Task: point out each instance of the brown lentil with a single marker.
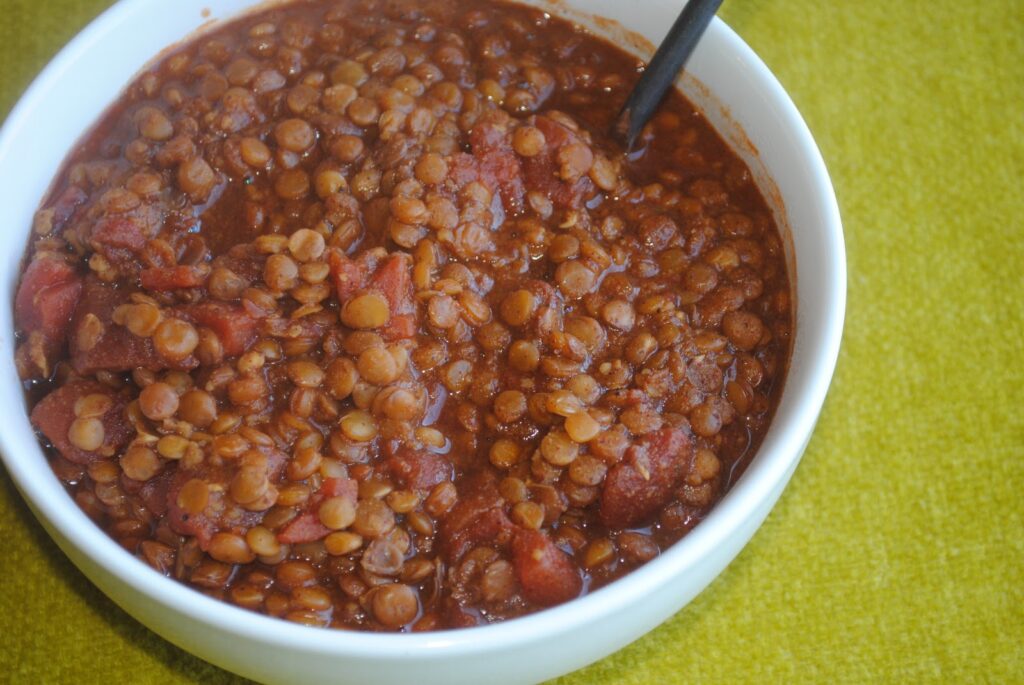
(395, 605)
(158, 401)
(86, 434)
(528, 141)
(140, 463)
(175, 339)
(582, 427)
(368, 317)
(366, 312)
(337, 512)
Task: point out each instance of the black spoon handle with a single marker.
(664, 67)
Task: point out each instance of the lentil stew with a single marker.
(351, 313)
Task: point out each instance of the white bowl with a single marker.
(747, 105)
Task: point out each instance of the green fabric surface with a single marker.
(897, 551)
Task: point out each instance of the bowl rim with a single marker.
(723, 521)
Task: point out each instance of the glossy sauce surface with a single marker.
(351, 313)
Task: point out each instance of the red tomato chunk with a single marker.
(352, 314)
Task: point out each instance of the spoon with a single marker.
(661, 73)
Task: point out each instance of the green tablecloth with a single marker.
(897, 553)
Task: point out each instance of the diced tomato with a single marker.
(419, 469)
(116, 349)
(303, 528)
(400, 327)
(47, 297)
(339, 487)
(54, 414)
(489, 136)
(67, 202)
(498, 164)
(306, 527)
(349, 275)
(643, 481)
(392, 278)
(476, 519)
(547, 574)
(200, 526)
(236, 327)
(221, 514)
(56, 305)
(118, 232)
(172, 277)
(541, 170)
(555, 134)
(463, 169)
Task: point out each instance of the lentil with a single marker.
(384, 321)
(86, 434)
(581, 427)
(140, 463)
(175, 339)
(395, 605)
(158, 401)
(366, 311)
